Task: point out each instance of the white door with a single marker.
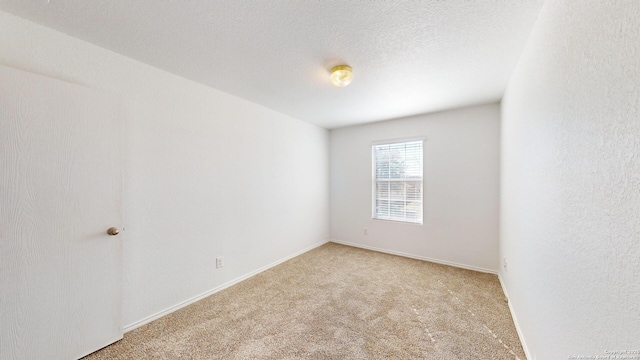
(60, 191)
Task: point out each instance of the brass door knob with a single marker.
(113, 231)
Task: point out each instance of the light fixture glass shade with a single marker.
(341, 75)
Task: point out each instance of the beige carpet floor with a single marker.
(337, 302)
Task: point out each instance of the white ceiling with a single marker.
(408, 57)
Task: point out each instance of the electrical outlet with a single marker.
(504, 263)
(366, 232)
(219, 262)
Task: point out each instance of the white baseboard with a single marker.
(515, 321)
(178, 306)
(417, 257)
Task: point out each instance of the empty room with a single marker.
(357, 179)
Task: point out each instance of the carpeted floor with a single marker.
(337, 302)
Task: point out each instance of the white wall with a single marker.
(206, 174)
(461, 187)
(570, 210)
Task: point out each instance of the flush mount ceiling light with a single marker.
(341, 75)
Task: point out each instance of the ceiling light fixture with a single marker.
(341, 75)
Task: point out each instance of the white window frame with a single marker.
(375, 181)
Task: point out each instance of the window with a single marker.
(397, 181)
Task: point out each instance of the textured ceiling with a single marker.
(408, 57)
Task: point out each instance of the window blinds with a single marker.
(397, 181)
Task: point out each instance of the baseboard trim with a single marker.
(190, 301)
(515, 321)
(417, 257)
